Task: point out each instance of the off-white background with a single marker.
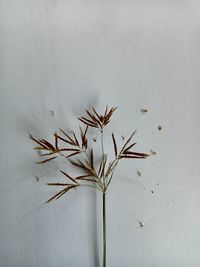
(63, 56)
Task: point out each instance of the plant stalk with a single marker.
(102, 144)
(104, 229)
(104, 205)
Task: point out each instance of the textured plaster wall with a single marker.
(63, 56)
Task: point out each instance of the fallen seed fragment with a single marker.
(37, 178)
(52, 112)
(144, 110)
(153, 152)
(141, 224)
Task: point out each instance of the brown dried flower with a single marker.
(97, 120)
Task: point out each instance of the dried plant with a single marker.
(81, 156)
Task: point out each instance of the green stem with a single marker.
(104, 204)
(102, 144)
(104, 229)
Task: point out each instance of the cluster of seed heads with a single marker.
(80, 155)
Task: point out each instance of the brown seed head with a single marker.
(97, 120)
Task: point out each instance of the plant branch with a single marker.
(102, 155)
(98, 183)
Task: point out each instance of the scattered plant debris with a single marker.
(153, 152)
(37, 178)
(141, 224)
(144, 110)
(52, 113)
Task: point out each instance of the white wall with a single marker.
(67, 55)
